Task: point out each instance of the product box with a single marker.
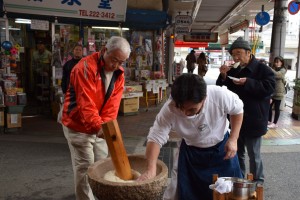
(129, 105)
(10, 100)
(13, 120)
(21, 98)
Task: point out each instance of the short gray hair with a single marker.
(116, 42)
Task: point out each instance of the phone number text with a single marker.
(96, 14)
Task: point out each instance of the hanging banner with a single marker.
(90, 9)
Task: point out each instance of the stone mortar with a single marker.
(152, 189)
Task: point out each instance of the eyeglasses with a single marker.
(115, 60)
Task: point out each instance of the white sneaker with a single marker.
(273, 125)
(269, 123)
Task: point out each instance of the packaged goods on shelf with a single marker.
(10, 100)
(21, 98)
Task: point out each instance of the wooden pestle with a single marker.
(117, 150)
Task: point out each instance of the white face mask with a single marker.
(191, 117)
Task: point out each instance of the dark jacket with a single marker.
(67, 68)
(255, 94)
(190, 61)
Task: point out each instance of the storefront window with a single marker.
(96, 37)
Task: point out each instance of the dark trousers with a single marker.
(276, 104)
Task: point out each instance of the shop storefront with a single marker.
(144, 70)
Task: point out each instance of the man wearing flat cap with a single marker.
(254, 85)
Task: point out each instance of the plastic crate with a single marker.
(14, 109)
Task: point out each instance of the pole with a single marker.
(298, 57)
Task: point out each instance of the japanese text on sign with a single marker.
(182, 30)
(183, 20)
(110, 10)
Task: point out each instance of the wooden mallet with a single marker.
(117, 150)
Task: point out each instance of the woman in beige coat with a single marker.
(279, 70)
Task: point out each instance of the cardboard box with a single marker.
(129, 105)
(1, 118)
(13, 120)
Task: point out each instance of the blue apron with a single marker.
(196, 167)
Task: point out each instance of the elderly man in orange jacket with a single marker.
(93, 97)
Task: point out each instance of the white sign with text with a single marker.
(90, 9)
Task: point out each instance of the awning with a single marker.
(179, 43)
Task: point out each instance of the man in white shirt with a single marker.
(198, 113)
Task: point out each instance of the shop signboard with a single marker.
(183, 20)
(201, 37)
(90, 9)
(39, 25)
(183, 30)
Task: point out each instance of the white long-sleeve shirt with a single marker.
(203, 130)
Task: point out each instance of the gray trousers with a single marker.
(253, 146)
(85, 150)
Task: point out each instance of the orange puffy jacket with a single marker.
(85, 108)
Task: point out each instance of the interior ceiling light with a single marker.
(22, 21)
(12, 28)
(111, 28)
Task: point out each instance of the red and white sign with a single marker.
(201, 37)
(107, 10)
